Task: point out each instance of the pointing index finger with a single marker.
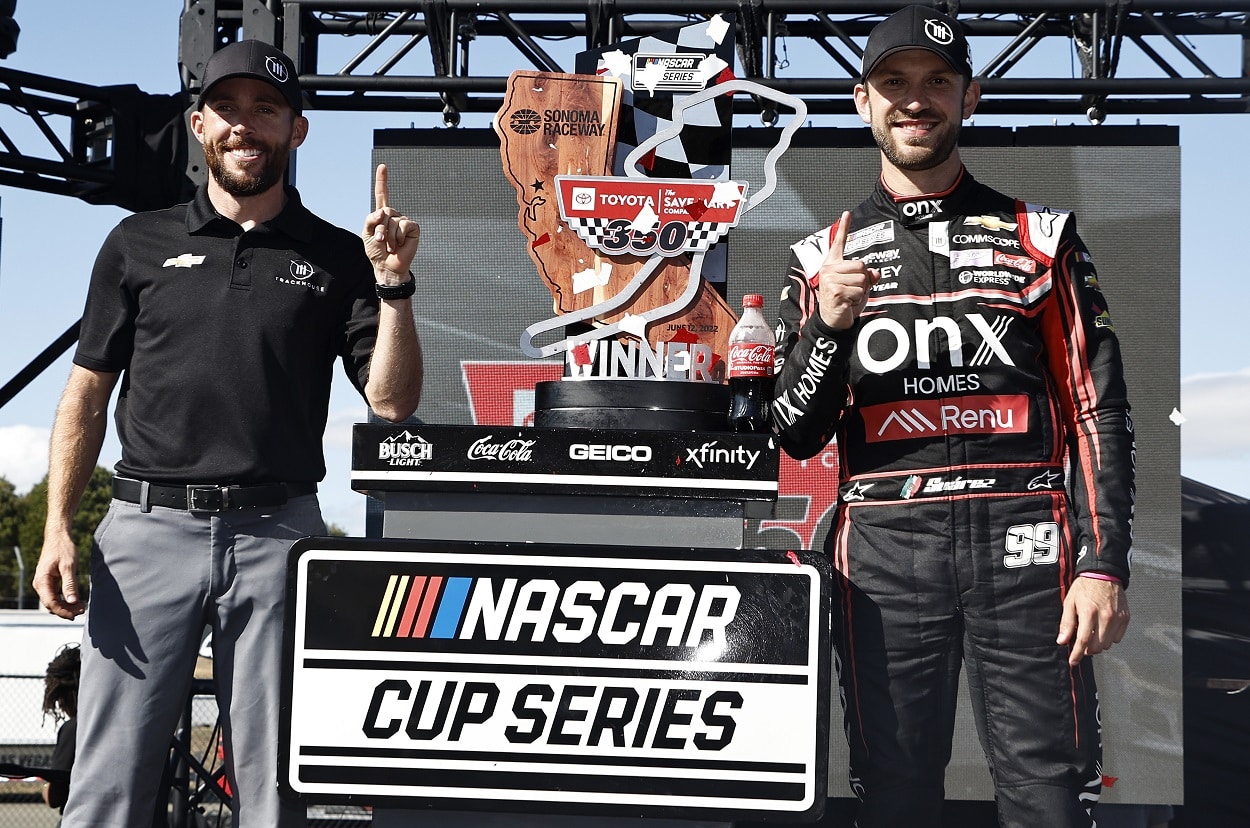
(381, 199)
(838, 245)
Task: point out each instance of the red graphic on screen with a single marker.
(502, 393)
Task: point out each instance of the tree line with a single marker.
(21, 527)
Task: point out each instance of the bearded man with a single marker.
(985, 448)
(223, 319)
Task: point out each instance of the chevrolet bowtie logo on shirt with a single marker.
(185, 260)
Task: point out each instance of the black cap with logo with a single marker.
(918, 27)
(253, 59)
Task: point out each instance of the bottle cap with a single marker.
(753, 300)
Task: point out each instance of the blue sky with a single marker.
(49, 242)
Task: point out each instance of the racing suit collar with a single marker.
(912, 210)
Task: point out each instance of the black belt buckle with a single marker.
(204, 497)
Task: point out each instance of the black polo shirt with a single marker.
(227, 339)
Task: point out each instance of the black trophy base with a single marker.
(644, 405)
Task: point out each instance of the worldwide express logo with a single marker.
(537, 611)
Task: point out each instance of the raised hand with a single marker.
(844, 283)
(390, 238)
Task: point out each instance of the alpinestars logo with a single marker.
(1045, 480)
(856, 491)
(405, 449)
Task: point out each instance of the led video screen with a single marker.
(481, 291)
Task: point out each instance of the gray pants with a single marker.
(157, 579)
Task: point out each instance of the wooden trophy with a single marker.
(559, 125)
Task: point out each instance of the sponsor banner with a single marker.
(740, 467)
(687, 683)
(649, 216)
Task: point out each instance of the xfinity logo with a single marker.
(709, 453)
(603, 451)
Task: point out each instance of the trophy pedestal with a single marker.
(572, 486)
(647, 405)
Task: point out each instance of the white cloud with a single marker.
(338, 433)
(1215, 439)
(23, 455)
(1217, 415)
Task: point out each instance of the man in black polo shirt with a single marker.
(223, 318)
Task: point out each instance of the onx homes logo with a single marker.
(585, 678)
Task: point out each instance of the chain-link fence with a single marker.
(193, 803)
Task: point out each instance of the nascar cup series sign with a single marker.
(562, 679)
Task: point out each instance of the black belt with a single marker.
(208, 497)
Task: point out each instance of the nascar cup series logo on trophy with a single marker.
(622, 180)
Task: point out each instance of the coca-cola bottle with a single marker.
(751, 346)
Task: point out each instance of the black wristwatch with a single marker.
(400, 291)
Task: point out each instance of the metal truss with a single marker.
(1092, 58)
(1123, 57)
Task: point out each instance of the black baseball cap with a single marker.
(918, 27)
(253, 59)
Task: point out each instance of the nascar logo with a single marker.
(511, 609)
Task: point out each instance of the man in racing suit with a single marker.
(956, 343)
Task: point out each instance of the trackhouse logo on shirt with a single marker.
(303, 274)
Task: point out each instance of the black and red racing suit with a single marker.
(986, 459)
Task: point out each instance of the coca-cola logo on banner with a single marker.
(515, 450)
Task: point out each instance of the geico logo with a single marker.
(675, 615)
(602, 451)
(673, 718)
(885, 344)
